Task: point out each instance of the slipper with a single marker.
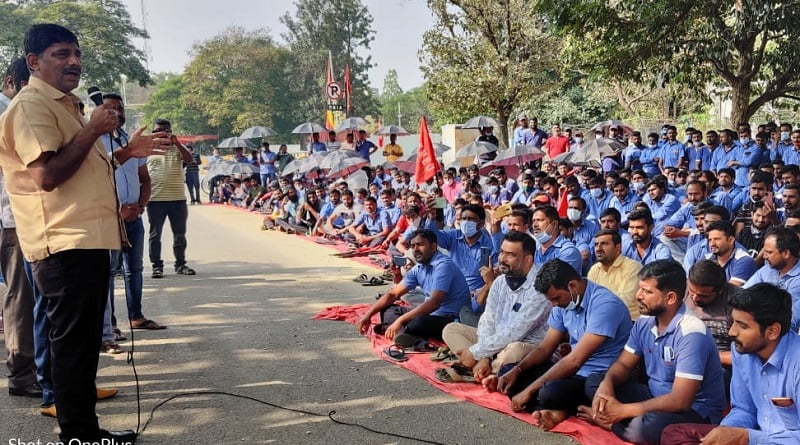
(395, 353)
(449, 375)
(149, 325)
(444, 355)
(387, 276)
(375, 281)
(414, 343)
(363, 278)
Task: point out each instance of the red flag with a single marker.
(348, 88)
(427, 165)
(380, 136)
(563, 204)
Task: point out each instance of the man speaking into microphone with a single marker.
(61, 185)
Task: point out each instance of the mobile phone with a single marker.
(502, 211)
(782, 402)
(440, 203)
(769, 199)
(485, 255)
(399, 261)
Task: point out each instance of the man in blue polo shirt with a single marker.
(662, 205)
(643, 246)
(371, 226)
(673, 153)
(364, 146)
(681, 360)
(766, 385)
(781, 251)
(597, 323)
(550, 244)
(442, 283)
(738, 264)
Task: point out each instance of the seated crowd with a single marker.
(649, 296)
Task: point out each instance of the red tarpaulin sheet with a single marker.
(421, 365)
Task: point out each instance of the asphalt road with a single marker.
(242, 325)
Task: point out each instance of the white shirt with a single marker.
(511, 316)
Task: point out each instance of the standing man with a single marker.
(557, 143)
(392, 152)
(18, 303)
(315, 146)
(365, 147)
(168, 201)
(284, 158)
(133, 194)
(192, 174)
(266, 164)
(61, 185)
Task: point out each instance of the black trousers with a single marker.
(75, 286)
(426, 326)
(560, 394)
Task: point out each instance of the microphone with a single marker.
(96, 96)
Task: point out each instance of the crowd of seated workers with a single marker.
(649, 296)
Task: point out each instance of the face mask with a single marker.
(672, 183)
(574, 214)
(663, 132)
(652, 146)
(697, 144)
(744, 141)
(515, 282)
(638, 186)
(529, 189)
(688, 138)
(469, 228)
(579, 139)
(785, 135)
(448, 181)
(596, 193)
(574, 302)
(542, 237)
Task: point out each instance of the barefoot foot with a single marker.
(546, 419)
(490, 383)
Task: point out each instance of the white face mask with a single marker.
(579, 139)
(574, 302)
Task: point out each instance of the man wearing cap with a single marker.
(521, 131)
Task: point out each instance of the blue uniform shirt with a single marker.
(672, 153)
(686, 350)
(755, 384)
(722, 155)
(467, 258)
(740, 266)
(661, 210)
(790, 282)
(562, 249)
(440, 274)
(702, 154)
(127, 174)
(656, 251)
(374, 224)
(647, 158)
(600, 313)
(595, 206)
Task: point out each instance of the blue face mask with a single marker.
(785, 135)
(574, 302)
(744, 141)
(596, 193)
(542, 237)
(469, 228)
(638, 186)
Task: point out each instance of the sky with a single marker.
(175, 25)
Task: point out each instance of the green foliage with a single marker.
(343, 27)
(411, 105)
(486, 58)
(579, 100)
(239, 79)
(746, 49)
(168, 102)
(104, 30)
(391, 86)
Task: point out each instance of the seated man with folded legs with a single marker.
(594, 321)
(443, 284)
(515, 318)
(681, 360)
(766, 381)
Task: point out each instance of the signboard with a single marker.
(334, 90)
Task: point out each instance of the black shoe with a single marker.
(121, 437)
(33, 390)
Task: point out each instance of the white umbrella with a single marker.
(236, 143)
(257, 132)
(480, 122)
(308, 128)
(393, 129)
(351, 123)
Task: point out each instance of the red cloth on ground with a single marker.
(421, 365)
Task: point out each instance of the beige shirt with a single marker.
(622, 278)
(82, 212)
(166, 176)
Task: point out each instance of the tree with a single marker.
(104, 30)
(745, 50)
(406, 109)
(391, 86)
(168, 102)
(239, 79)
(487, 58)
(343, 27)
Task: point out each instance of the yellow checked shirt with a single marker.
(622, 278)
(82, 212)
(392, 152)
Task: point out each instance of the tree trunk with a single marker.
(502, 132)
(740, 103)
